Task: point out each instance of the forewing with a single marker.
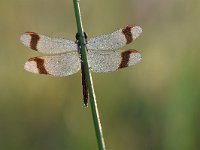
(45, 44)
(116, 39)
(56, 65)
(105, 61)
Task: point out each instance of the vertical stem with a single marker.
(94, 109)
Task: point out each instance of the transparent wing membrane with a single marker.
(116, 39)
(105, 61)
(45, 44)
(56, 65)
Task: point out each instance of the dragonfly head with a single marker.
(78, 37)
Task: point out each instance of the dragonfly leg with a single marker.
(86, 36)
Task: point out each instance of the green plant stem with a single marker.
(93, 103)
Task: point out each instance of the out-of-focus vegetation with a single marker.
(153, 105)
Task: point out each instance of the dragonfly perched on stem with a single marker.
(65, 58)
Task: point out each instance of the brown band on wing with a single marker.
(34, 40)
(40, 65)
(125, 58)
(127, 32)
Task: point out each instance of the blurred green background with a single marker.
(151, 106)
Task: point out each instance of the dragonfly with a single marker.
(64, 56)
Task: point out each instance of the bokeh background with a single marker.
(151, 106)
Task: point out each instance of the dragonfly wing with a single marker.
(45, 44)
(106, 61)
(116, 39)
(56, 65)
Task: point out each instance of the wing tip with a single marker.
(136, 53)
(25, 39)
(136, 57)
(30, 39)
(129, 57)
(31, 66)
(36, 65)
(136, 31)
(131, 32)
